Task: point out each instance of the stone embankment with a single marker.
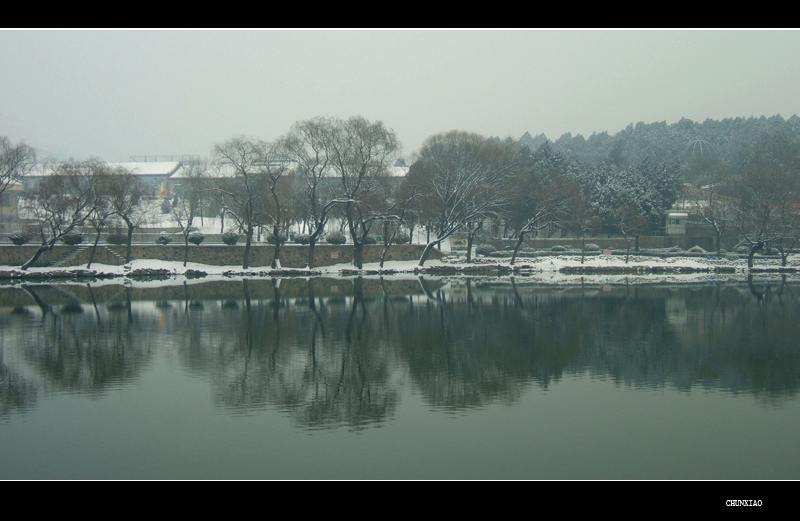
(292, 255)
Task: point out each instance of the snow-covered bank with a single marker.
(556, 269)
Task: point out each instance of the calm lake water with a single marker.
(400, 378)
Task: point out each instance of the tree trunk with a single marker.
(185, 248)
(426, 251)
(517, 247)
(358, 254)
(753, 249)
(583, 248)
(312, 243)
(130, 240)
(43, 248)
(784, 255)
(247, 244)
(94, 249)
(470, 239)
(276, 256)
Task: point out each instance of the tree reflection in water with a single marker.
(337, 352)
(81, 352)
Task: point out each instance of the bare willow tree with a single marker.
(360, 154)
(462, 177)
(16, 161)
(399, 199)
(768, 191)
(306, 146)
(342, 162)
(127, 193)
(240, 165)
(102, 210)
(191, 197)
(276, 166)
(61, 202)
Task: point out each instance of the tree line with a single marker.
(331, 175)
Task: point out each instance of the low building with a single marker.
(9, 203)
(676, 222)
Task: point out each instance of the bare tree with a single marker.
(102, 211)
(60, 203)
(400, 200)
(580, 214)
(240, 185)
(462, 177)
(769, 193)
(306, 145)
(631, 222)
(713, 204)
(127, 194)
(360, 154)
(190, 200)
(541, 193)
(341, 162)
(275, 167)
(16, 161)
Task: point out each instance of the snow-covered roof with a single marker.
(155, 168)
(227, 170)
(144, 169)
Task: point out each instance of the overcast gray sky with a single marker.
(115, 94)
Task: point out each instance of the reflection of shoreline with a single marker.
(214, 288)
(258, 289)
(331, 351)
(545, 265)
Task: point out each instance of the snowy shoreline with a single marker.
(555, 269)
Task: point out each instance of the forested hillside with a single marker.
(657, 142)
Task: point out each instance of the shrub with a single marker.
(196, 238)
(697, 249)
(485, 249)
(592, 247)
(163, 239)
(230, 238)
(558, 248)
(302, 239)
(272, 239)
(370, 240)
(117, 238)
(401, 238)
(19, 239)
(166, 207)
(336, 238)
(72, 239)
(743, 249)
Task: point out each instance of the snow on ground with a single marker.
(545, 269)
